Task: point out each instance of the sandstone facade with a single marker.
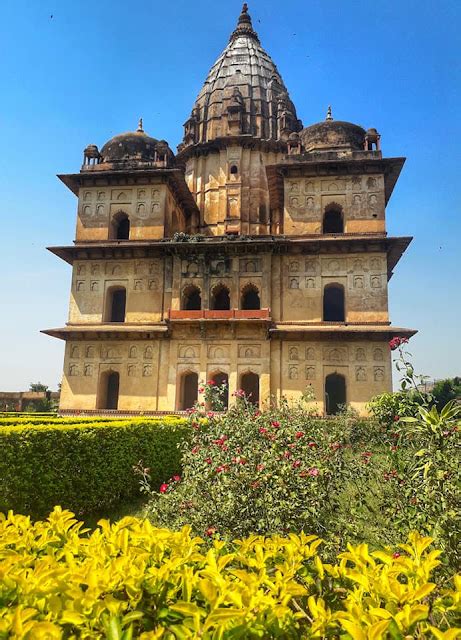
(257, 256)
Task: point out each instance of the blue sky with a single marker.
(93, 68)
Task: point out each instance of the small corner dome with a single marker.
(331, 135)
(134, 146)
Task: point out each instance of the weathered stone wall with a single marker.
(360, 197)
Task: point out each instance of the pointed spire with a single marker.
(140, 129)
(329, 116)
(244, 25)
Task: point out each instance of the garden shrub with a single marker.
(131, 580)
(84, 466)
(283, 470)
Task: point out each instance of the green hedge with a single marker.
(84, 467)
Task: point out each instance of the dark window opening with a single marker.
(335, 393)
(189, 390)
(221, 299)
(249, 383)
(109, 390)
(116, 305)
(333, 221)
(192, 300)
(220, 379)
(333, 303)
(250, 298)
(234, 169)
(123, 229)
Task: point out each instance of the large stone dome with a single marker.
(134, 146)
(333, 135)
(243, 94)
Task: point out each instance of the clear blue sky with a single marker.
(93, 68)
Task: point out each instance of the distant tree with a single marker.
(446, 390)
(38, 386)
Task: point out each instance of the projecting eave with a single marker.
(346, 330)
(307, 244)
(310, 165)
(110, 331)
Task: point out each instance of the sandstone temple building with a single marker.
(257, 255)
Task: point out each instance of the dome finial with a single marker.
(244, 26)
(140, 129)
(329, 116)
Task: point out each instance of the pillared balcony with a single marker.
(215, 314)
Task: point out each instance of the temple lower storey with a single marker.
(257, 256)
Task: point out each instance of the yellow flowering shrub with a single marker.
(129, 579)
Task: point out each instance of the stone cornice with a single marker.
(221, 245)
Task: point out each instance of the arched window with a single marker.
(333, 220)
(220, 299)
(109, 385)
(191, 298)
(250, 297)
(115, 304)
(249, 383)
(234, 169)
(220, 379)
(188, 390)
(335, 393)
(333, 303)
(120, 227)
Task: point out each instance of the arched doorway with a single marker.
(120, 227)
(220, 299)
(191, 299)
(188, 390)
(115, 304)
(335, 393)
(333, 220)
(249, 383)
(109, 386)
(220, 379)
(250, 298)
(333, 303)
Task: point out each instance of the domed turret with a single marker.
(333, 135)
(243, 94)
(136, 147)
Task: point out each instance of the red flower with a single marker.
(211, 382)
(208, 460)
(209, 414)
(257, 413)
(210, 531)
(260, 467)
(275, 424)
(262, 430)
(296, 464)
(299, 434)
(201, 389)
(396, 555)
(314, 472)
(163, 488)
(396, 342)
(396, 418)
(335, 446)
(255, 484)
(287, 454)
(176, 478)
(312, 445)
(195, 449)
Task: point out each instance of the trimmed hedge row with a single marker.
(84, 467)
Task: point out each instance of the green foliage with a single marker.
(283, 471)
(38, 386)
(388, 408)
(446, 390)
(131, 580)
(83, 466)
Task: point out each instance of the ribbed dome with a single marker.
(242, 94)
(331, 135)
(134, 146)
